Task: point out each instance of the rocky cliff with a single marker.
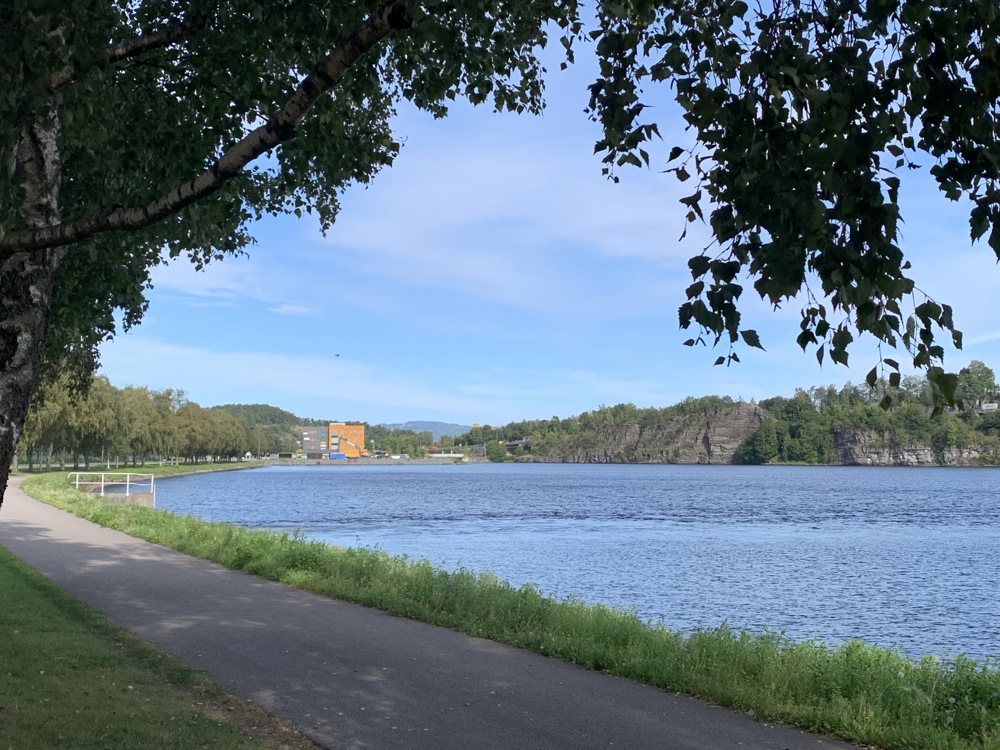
(874, 449)
(708, 436)
(712, 434)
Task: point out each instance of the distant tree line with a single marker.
(541, 437)
(399, 441)
(101, 423)
(133, 424)
(801, 429)
(804, 428)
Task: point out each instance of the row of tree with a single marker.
(801, 429)
(129, 425)
(804, 428)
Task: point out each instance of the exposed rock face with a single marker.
(709, 436)
(713, 434)
(875, 449)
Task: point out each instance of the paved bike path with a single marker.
(356, 678)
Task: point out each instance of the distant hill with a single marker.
(270, 416)
(272, 430)
(437, 429)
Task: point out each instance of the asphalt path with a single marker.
(357, 678)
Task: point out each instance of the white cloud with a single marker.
(227, 279)
(982, 339)
(520, 221)
(310, 385)
(294, 310)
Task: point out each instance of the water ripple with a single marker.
(905, 557)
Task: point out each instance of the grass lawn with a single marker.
(69, 678)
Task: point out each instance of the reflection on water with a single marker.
(909, 557)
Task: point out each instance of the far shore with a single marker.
(425, 461)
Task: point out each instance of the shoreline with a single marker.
(426, 461)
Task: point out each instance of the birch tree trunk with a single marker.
(27, 279)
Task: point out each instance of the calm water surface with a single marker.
(906, 557)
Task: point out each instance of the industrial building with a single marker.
(338, 440)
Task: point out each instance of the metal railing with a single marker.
(92, 481)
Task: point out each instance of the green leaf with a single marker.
(699, 265)
(751, 339)
(979, 221)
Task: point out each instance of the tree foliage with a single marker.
(131, 425)
(398, 441)
(804, 113)
(813, 426)
(159, 110)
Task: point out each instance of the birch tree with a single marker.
(132, 132)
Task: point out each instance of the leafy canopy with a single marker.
(803, 113)
(145, 96)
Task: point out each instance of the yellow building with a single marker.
(348, 439)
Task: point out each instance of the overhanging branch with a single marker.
(178, 32)
(389, 18)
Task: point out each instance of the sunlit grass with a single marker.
(69, 678)
(859, 692)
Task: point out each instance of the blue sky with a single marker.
(493, 275)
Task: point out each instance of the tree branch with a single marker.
(157, 40)
(139, 46)
(387, 19)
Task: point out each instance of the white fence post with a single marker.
(107, 481)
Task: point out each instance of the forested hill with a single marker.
(266, 415)
(815, 426)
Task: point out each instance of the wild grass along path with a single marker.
(352, 677)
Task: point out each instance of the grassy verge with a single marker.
(861, 693)
(70, 678)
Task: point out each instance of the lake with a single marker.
(895, 556)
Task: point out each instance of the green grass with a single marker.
(856, 691)
(69, 678)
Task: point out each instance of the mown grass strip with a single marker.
(859, 692)
(69, 678)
